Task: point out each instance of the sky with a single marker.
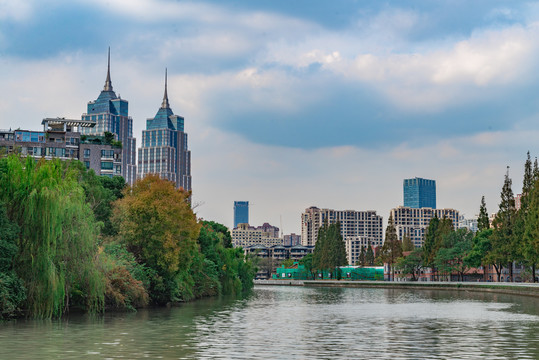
(292, 104)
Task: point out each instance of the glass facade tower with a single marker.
(241, 213)
(419, 193)
(164, 148)
(110, 114)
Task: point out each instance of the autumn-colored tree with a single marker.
(156, 223)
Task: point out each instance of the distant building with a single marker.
(292, 239)
(110, 114)
(353, 247)
(364, 225)
(518, 201)
(164, 149)
(61, 139)
(265, 235)
(241, 213)
(470, 224)
(419, 193)
(415, 222)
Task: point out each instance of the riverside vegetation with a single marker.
(512, 238)
(70, 239)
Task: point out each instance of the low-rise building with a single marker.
(61, 138)
(245, 235)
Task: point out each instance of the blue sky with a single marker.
(293, 104)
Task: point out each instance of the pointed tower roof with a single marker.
(108, 83)
(165, 104)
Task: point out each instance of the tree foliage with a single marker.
(483, 222)
(156, 224)
(392, 248)
(329, 251)
(503, 248)
(57, 239)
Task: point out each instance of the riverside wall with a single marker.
(525, 289)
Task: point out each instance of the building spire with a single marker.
(165, 104)
(108, 83)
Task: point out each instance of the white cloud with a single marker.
(18, 10)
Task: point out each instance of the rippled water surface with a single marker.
(296, 323)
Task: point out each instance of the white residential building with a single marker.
(266, 235)
(354, 224)
(415, 222)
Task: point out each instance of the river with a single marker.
(277, 322)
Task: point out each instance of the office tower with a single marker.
(241, 213)
(164, 148)
(419, 193)
(110, 114)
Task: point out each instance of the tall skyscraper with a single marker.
(164, 147)
(419, 193)
(241, 213)
(110, 114)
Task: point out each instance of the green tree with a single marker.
(429, 244)
(12, 290)
(307, 262)
(530, 246)
(407, 244)
(411, 264)
(369, 255)
(329, 251)
(361, 260)
(456, 247)
(503, 249)
(483, 222)
(392, 248)
(57, 243)
(519, 226)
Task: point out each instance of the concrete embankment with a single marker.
(501, 288)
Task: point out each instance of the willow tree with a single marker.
(57, 243)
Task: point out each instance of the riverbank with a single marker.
(525, 289)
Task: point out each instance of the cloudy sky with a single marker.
(290, 104)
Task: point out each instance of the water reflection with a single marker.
(295, 322)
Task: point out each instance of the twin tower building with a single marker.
(164, 149)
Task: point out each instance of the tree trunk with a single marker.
(533, 272)
(498, 271)
(511, 271)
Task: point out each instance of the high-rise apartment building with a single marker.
(164, 148)
(110, 114)
(241, 213)
(419, 193)
(354, 224)
(414, 222)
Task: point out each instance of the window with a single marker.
(106, 165)
(109, 154)
(87, 164)
(86, 153)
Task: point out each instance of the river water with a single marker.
(277, 322)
